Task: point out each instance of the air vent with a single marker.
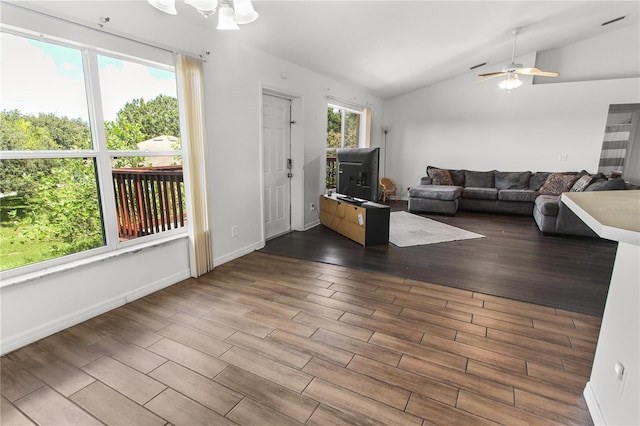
(478, 66)
(612, 21)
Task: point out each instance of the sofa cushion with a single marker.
(581, 184)
(547, 204)
(480, 193)
(537, 180)
(607, 185)
(457, 176)
(436, 192)
(526, 195)
(479, 179)
(557, 183)
(440, 176)
(512, 180)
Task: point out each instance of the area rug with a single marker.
(406, 229)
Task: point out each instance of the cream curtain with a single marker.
(367, 116)
(191, 86)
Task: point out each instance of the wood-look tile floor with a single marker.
(269, 340)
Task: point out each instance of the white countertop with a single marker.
(614, 215)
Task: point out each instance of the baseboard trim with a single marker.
(238, 253)
(311, 225)
(593, 406)
(36, 333)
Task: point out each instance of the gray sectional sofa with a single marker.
(524, 193)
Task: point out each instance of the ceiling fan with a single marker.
(512, 70)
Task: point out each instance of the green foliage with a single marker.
(334, 128)
(138, 121)
(67, 212)
(56, 208)
(156, 117)
(19, 132)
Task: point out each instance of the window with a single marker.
(90, 153)
(343, 131)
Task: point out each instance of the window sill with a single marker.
(32, 276)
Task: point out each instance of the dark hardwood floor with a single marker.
(515, 260)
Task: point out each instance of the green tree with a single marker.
(139, 120)
(156, 117)
(334, 120)
(66, 133)
(20, 132)
(66, 212)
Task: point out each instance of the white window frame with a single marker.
(102, 160)
(362, 124)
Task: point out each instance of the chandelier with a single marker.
(231, 13)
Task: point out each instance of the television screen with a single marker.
(358, 172)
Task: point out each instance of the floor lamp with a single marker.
(385, 130)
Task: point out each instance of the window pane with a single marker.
(53, 211)
(334, 120)
(149, 200)
(140, 106)
(43, 100)
(351, 129)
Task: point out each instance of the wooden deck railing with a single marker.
(149, 200)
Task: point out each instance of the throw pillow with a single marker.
(440, 177)
(581, 184)
(557, 183)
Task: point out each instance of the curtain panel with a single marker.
(191, 84)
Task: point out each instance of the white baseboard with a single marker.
(313, 224)
(593, 406)
(40, 332)
(238, 253)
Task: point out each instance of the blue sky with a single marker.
(41, 77)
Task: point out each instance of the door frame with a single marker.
(297, 157)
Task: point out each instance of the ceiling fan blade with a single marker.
(492, 74)
(537, 71)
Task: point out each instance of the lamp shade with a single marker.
(226, 18)
(205, 7)
(511, 82)
(166, 6)
(244, 12)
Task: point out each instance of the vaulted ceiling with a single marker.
(385, 47)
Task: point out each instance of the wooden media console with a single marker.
(366, 223)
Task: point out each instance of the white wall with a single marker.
(42, 306)
(618, 342)
(235, 76)
(466, 124)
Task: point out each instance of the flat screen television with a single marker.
(358, 172)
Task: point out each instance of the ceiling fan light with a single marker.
(510, 83)
(244, 12)
(166, 6)
(226, 19)
(205, 7)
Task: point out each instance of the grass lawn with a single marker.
(20, 252)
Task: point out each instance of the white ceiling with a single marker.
(385, 47)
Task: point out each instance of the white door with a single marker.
(276, 137)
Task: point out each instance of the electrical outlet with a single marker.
(234, 231)
(621, 375)
(563, 157)
(312, 207)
